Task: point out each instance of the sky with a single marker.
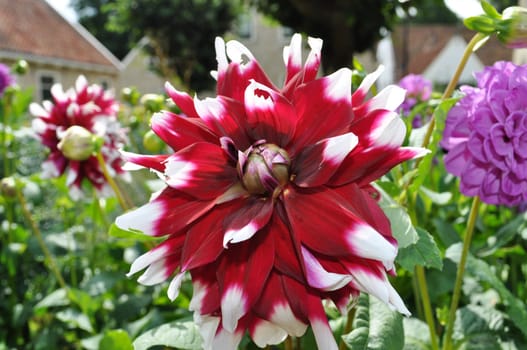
(464, 8)
(62, 6)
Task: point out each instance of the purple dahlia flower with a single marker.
(486, 136)
(418, 89)
(6, 79)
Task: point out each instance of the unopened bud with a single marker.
(152, 142)
(77, 143)
(8, 186)
(513, 27)
(21, 67)
(152, 102)
(266, 169)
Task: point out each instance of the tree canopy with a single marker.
(347, 26)
(181, 34)
(94, 16)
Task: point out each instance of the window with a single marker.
(244, 26)
(46, 82)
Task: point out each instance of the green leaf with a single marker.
(490, 10)
(400, 221)
(58, 297)
(481, 271)
(182, 335)
(424, 252)
(116, 339)
(75, 319)
(134, 235)
(482, 24)
(102, 282)
(436, 197)
(476, 328)
(416, 334)
(505, 234)
(375, 327)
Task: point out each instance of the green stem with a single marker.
(111, 181)
(347, 327)
(50, 261)
(453, 82)
(427, 305)
(469, 49)
(460, 271)
(424, 296)
(288, 343)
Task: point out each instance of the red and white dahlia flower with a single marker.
(65, 126)
(268, 203)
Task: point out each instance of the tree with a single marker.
(94, 16)
(347, 26)
(181, 34)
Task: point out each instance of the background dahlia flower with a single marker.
(486, 136)
(268, 203)
(418, 89)
(64, 123)
(6, 79)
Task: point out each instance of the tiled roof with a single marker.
(426, 41)
(33, 28)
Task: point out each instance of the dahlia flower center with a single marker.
(264, 169)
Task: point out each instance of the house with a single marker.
(434, 50)
(136, 71)
(56, 50)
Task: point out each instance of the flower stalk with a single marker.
(347, 327)
(111, 181)
(460, 272)
(472, 46)
(50, 261)
(427, 305)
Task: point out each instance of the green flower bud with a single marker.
(152, 142)
(153, 102)
(130, 95)
(8, 187)
(78, 143)
(21, 67)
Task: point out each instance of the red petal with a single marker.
(156, 162)
(234, 77)
(287, 259)
(182, 100)
(242, 274)
(269, 115)
(321, 220)
(365, 166)
(265, 333)
(294, 57)
(204, 240)
(202, 170)
(179, 132)
(366, 207)
(315, 164)
(206, 295)
(324, 109)
(274, 306)
(242, 224)
(169, 213)
(226, 117)
(310, 305)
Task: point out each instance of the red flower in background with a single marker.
(268, 202)
(64, 125)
